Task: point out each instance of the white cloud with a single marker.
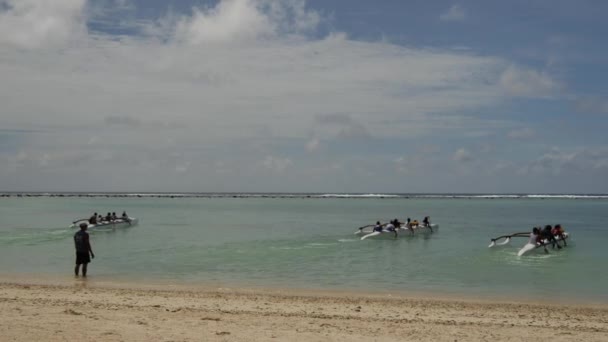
(478, 134)
(462, 156)
(402, 164)
(429, 149)
(521, 133)
(525, 82)
(243, 20)
(313, 145)
(593, 105)
(486, 148)
(122, 121)
(556, 162)
(277, 164)
(341, 126)
(22, 156)
(181, 168)
(40, 23)
(228, 21)
(454, 13)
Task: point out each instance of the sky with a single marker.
(323, 96)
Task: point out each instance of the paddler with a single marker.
(559, 231)
(427, 223)
(391, 228)
(537, 239)
(397, 223)
(408, 224)
(534, 238)
(93, 219)
(547, 234)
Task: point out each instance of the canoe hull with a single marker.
(530, 248)
(110, 225)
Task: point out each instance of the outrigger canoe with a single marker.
(118, 223)
(528, 248)
(368, 232)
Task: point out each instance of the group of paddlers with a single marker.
(547, 235)
(110, 217)
(393, 225)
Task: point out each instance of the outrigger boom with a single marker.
(507, 239)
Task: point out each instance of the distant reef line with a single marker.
(301, 195)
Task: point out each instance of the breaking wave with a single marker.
(307, 195)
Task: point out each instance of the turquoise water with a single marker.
(309, 243)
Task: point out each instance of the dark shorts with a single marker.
(82, 258)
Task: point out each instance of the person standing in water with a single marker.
(83, 248)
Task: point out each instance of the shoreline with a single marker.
(40, 309)
(162, 284)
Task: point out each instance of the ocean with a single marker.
(307, 241)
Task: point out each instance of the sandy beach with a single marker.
(93, 311)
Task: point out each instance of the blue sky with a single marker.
(297, 96)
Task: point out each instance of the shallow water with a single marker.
(309, 243)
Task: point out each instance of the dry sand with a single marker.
(90, 311)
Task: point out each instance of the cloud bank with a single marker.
(243, 95)
(34, 24)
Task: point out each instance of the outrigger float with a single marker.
(528, 248)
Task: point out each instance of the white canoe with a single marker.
(532, 247)
(368, 232)
(118, 223)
